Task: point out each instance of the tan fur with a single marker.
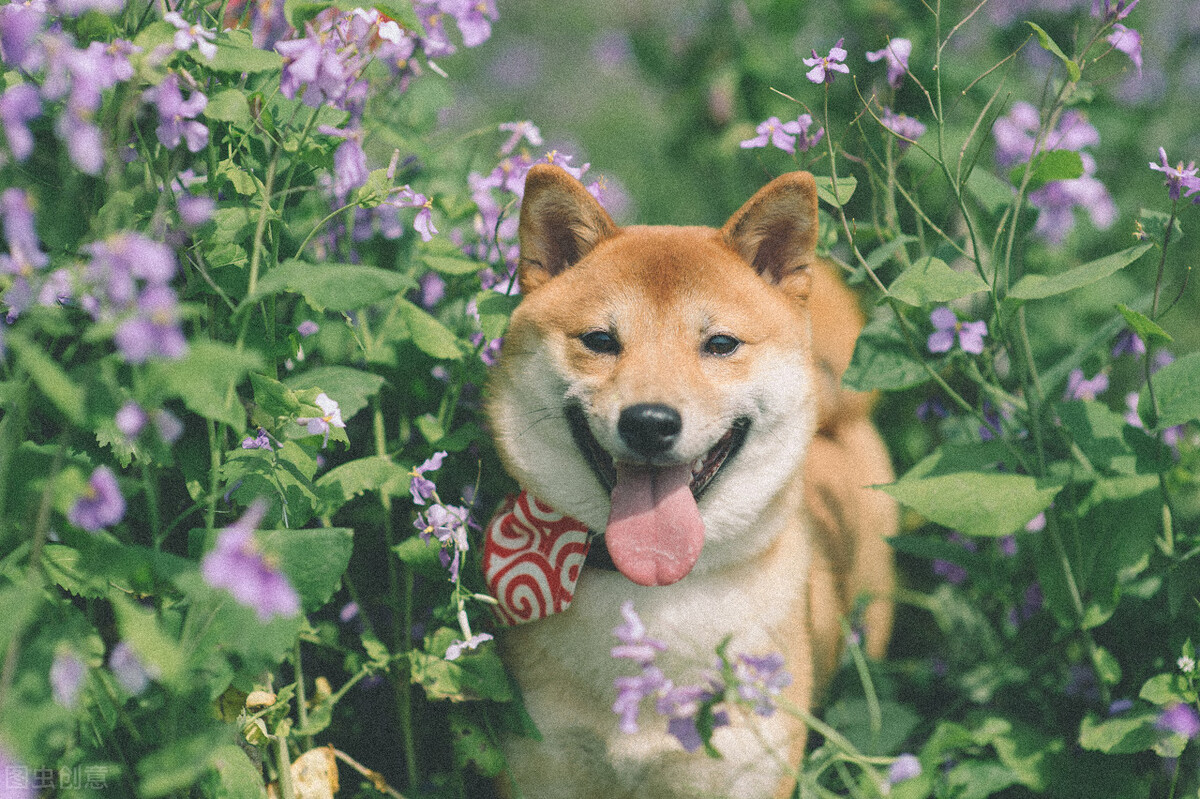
(788, 547)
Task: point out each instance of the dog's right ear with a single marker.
(560, 224)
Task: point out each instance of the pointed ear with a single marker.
(776, 231)
(560, 224)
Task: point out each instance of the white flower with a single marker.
(1186, 664)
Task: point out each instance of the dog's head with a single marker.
(656, 382)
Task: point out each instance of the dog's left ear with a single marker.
(776, 231)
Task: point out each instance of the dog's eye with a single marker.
(602, 342)
(721, 344)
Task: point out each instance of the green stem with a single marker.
(301, 698)
(400, 588)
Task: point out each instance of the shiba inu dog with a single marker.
(677, 391)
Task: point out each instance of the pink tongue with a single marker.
(654, 532)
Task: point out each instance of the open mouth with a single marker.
(704, 469)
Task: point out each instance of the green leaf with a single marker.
(1049, 44)
(50, 378)
(474, 746)
(430, 335)
(930, 280)
(236, 53)
(236, 777)
(1146, 328)
(880, 255)
(232, 106)
(495, 310)
(850, 717)
(983, 503)
(158, 651)
(422, 557)
(1177, 389)
(336, 287)
(845, 189)
(244, 183)
(1166, 689)
(313, 559)
(475, 674)
(883, 360)
(990, 191)
(179, 763)
(1124, 735)
(1154, 224)
(342, 483)
(352, 389)
(206, 379)
(1038, 287)
(441, 255)
(1048, 167)
(283, 475)
(273, 397)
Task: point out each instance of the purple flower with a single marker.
(1057, 200)
(1080, 388)
(784, 134)
(949, 571)
(349, 161)
(932, 408)
(1129, 42)
(131, 419)
(421, 487)
(129, 670)
(907, 129)
(101, 504)
(236, 565)
(635, 644)
(448, 524)
(189, 34)
(772, 132)
(904, 767)
(326, 64)
(20, 31)
(331, 415)
(168, 425)
(24, 257)
(823, 67)
(153, 331)
(261, 441)
(1178, 177)
(18, 105)
(474, 18)
(194, 210)
(1118, 10)
(118, 263)
(1129, 343)
(307, 328)
(630, 693)
(760, 679)
(947, 327)
(681, 705)
(520, 130)
(896, 53)
(456, 648)
(176, 116)
(1180, 719)
(1036, 524)
(67, 675)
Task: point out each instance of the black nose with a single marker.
(650, 428)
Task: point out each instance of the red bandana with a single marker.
(532, 557)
